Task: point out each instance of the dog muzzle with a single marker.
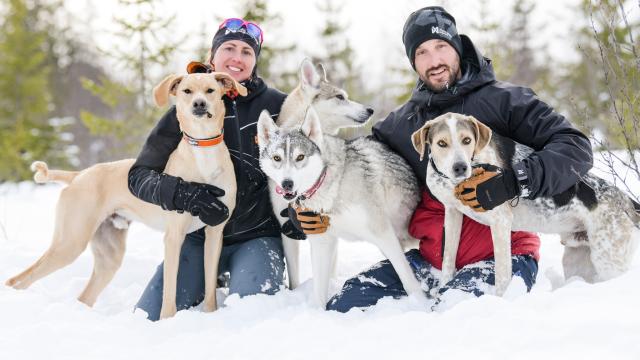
(288, 195)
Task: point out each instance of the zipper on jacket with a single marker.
(241, 159)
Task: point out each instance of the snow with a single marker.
(558, 319)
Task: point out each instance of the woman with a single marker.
(252, 247)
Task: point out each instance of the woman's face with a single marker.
(236, 58)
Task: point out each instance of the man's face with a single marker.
(437, 64)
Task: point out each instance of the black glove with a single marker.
(303, 222)
(292, 229)
(487, 187)
(200, 200)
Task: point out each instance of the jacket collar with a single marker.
(255, 86)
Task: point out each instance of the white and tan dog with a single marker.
(594, 218)
(97, 204)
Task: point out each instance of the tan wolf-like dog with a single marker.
(97, 204)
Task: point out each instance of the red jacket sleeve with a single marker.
(427, 225)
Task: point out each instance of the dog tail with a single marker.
(43, 174)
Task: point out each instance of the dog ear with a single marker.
(308, 74)
(228, 83)
(311, 127)
(167, 87)
(266, 127)
(483, 134)
(197, 67)
(420, 138)
(322, 72)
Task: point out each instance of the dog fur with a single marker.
(97, 205)
(369, 192)
(594, 218)
(336, 111)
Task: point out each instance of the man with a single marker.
(455, 77)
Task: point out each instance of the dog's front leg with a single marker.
(390, 246)
(501, 234)
(323, 257)
(292, 254)
(452, 229)
(212, 250)
(290, 246)
(173, 239)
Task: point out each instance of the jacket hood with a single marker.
(476, 72)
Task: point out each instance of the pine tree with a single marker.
(338, 59)
(152, 45)
(69, 57)
(25, 133)
(338, 53)
(488, 34)
(604, 84)
(514, 57)
(526, 69)
(271, 55)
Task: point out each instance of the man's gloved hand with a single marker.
(487, 187)
(201, 200)
(303, 222)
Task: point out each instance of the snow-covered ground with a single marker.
(557, 320)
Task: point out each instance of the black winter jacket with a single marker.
(561, 153)
(253, 216)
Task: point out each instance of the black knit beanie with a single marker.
(431, 22)
(225, 34)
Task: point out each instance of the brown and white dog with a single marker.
(594, 218)
(97, 205)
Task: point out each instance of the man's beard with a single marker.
(440, 87)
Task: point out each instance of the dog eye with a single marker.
(466, 141)
(209, 91)
(340, 97)
(300, 157)
(277, 158)
(186, 91)
(441, 143)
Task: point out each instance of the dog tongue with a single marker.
(286, 194)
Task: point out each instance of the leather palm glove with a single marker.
(487, 187)
(201, 200)
(303, 222)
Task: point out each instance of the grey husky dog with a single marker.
(336, 111)
(331, 103)
(368, 191)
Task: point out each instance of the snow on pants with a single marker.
(255, 266)
(366, 288)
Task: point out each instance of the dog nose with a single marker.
(199, 104)
(370, 111)
(459, 169)
(287, 184)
